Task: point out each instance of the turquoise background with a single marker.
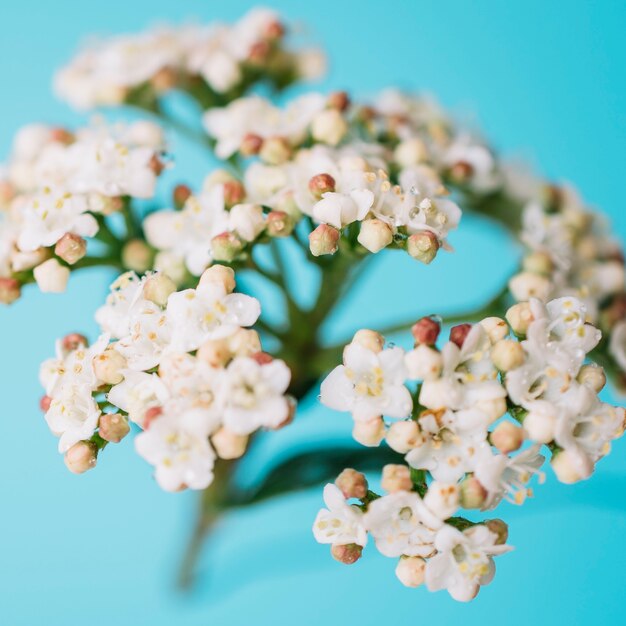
(546, 80)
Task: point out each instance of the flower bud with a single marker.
(507, 437)
(226, 247)
(593, 376)
(275, 151)
(321, 184)
(324, 240)
(234, 192)
(228, 444)
(396, 478)
(410, 152)
(180, 195)
(499, 528)
(346, 554)
(423, 363)
(215, 352)
(262, 358)
(71, 248)
(411, 571)
(73, 341)
(149, 416)
(461, 172)
(51, 276)
(423, 246)
(113, 427)
(217, 177)
(527, 285)
(459, 333)
(507, 355)
(426, 331)
(250, 145)
(472, 493)
(44, 403)
(369, 339)
(571, 467)
(329, 126)
(369, 433)
(519, 317)
(375, 235)
(496, 328)
(156, 165)
(10, 290)
(82, 456)
(353, 484)
(279, 224)
(244, 342)
(137, 256)
(164, 79)
(246, 221)
(158, 288)
(108, 366)
(220, 274)
(493, 408)
(339, 100)
(538, 263)
(540, 427)
(171, 264)
(403, 436)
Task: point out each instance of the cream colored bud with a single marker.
(324, 240)
(217, 177)
(229, 445)
(507, 355)
(540, 427)
(215, 352)
(375, 235)
(172, 265)
(244, 342)
(570, 467)
(51, 276)
(499, 528)
(329, 127)
(411, 571)
(593, 376)
(472, 493)
(346, 554)
(410, 152)
(538, 263)
(493, 409)
(353, 484)
(369, 339)
(137, 256)
(81, 457)
(423, 246)
(403, 436)
(495, 327)
(275, 151)
(396, 478)
(507, 437)
(369, 433)
(71, 248)
(158, 288)
(528, 285)
(519, 317)
(113, 427)
(424, 363)
(108, 366)
(220, 274)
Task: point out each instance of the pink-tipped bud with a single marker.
(251, 144)
(472, 494)
(228, 444)
(221, 275)
(81, 457)
(353, 484)
(262, 358)
(499, 528)
(108, 366)
(396, 478)
(73, 341)
(71, 248)
(275, 151)
(324, 240)
(10, 290)
(44, 403)
(321, 184)
(507, 437)
(154, 412)
(461, 172)
(426, 331)
(180, 195)
(61, 135)
(113, 427)
(234, 193)
(226, 247)
(258, 53)
(346, 554)
(411, 571)
(279, 224)
(423, 246)
(158, 288)
(137, 256)
(339, 100)
(156, 165)
(459, 333)
(369, 339)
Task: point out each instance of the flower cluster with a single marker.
(480, 410)
(183, 366)
(210, 62)
(58, 187)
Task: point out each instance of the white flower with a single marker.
(464, 561)
(401, 524)
(252, 395)
(115, 315)
(339, 209)
(617, 345)
(340, 523)
(368, 384)
(137, 393)
(179, 448)
(246, 220)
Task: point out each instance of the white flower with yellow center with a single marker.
(138, 392)
(340, 523)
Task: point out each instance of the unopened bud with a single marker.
(158, 288)
(137, 256)
(245, 342)
(164, 79)
(593, 376)
(375, 235)
(10, 290)
(81, 457)
(499, 528)
(507, 355)
(472, 493)
(495, 327)
(113, 427)
(403, 436)
(274, 30)
(51, 276)
(538, 263)
(234, 193)
(353, 484)
(180, 195)
(369, 433)
(279, 224)
(108, 366)
(426, 331)
(519, 317)
(571, 467)
(44, 403)
(226, 247)
(156, 165)
(396, 478)
(329, 127)
(228, 444)
(275, 151)
(410, 152)
(411, 571)
(369, 339)
(459, 333)
(346, 554)
(324, 240)
(339, 100)
(423, 363)
(215, 352)
(461, 171)
(71, 248)
(321, 184)
(250, 145)
(528, 285)
(540, 427)
(73, 341)
(220, 274)
(423, 246)
(150, 415)
(493, 408)
(507, 437)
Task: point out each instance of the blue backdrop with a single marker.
(543, 79)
